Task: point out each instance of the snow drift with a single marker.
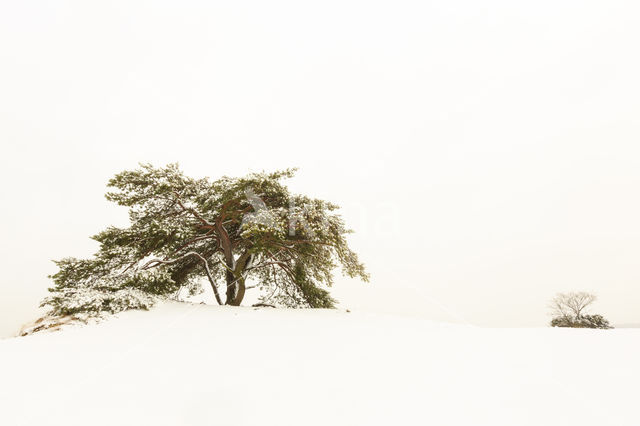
(188, 364)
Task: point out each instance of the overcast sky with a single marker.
(486, 153)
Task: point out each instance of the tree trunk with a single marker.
(236, 280)
(231, 287)
(239, 289)
(227, 248)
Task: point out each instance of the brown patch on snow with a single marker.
(50, 324)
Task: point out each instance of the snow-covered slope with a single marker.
(183, 364)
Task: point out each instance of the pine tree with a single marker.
(230, 231)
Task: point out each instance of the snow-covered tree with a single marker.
(568, 310)
(231, 232)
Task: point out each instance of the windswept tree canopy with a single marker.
(234, 233)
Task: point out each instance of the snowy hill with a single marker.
(184, 364)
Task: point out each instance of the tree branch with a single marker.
(155, 262)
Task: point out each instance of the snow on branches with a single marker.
(229, 232)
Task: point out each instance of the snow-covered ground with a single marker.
(183, 364)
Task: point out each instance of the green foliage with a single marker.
(583, 321)
(229, 231)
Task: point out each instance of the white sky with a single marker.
(486, 153)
